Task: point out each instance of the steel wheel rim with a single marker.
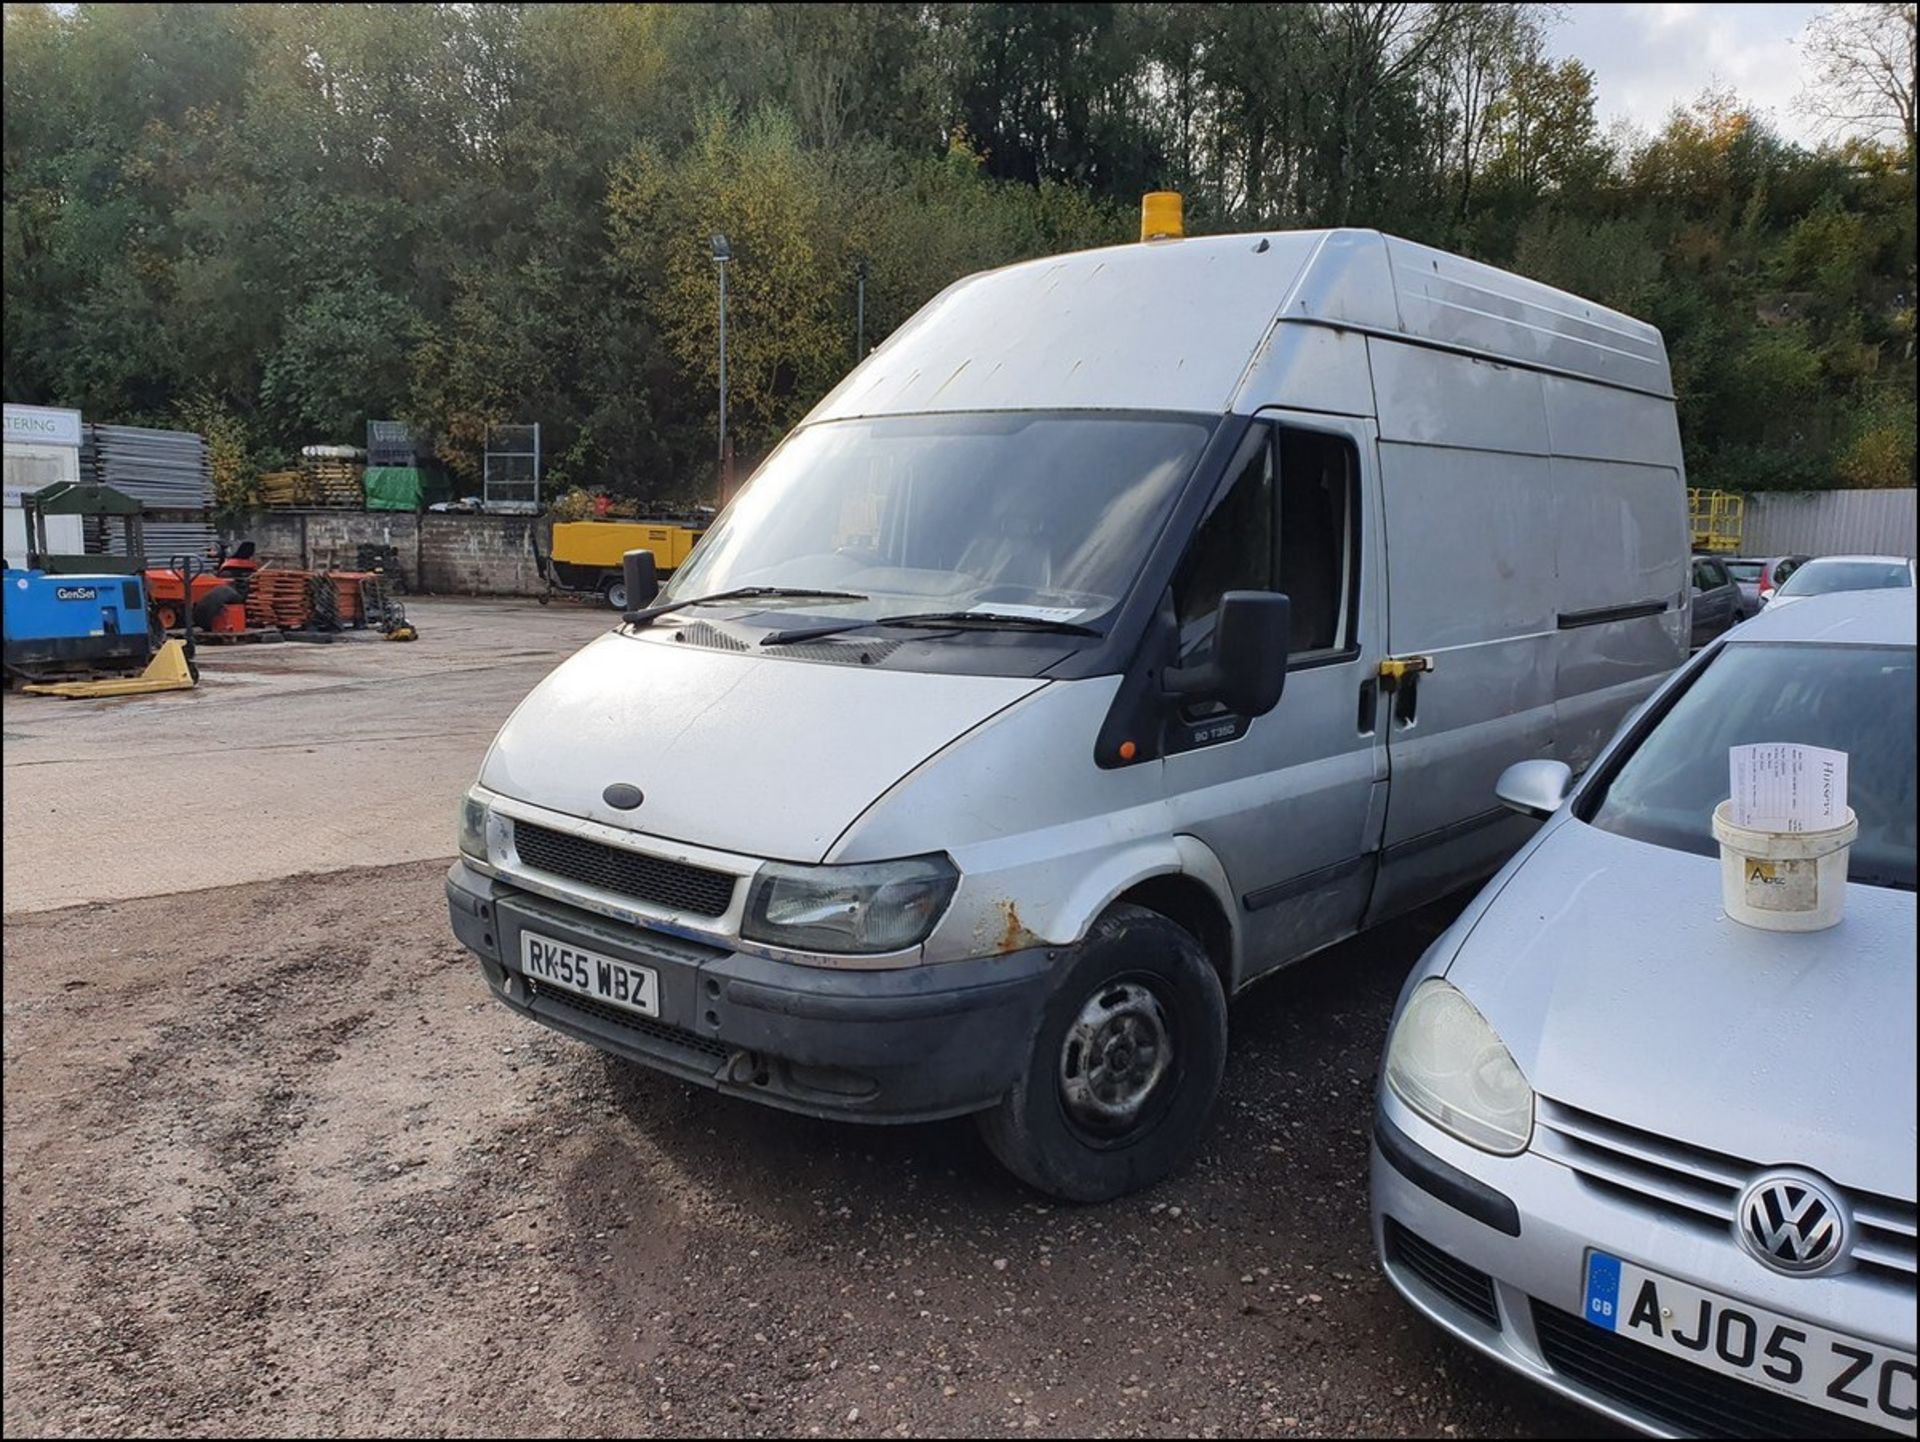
(1115, 1058)
(617, 595)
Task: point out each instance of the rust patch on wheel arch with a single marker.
(1014, 935)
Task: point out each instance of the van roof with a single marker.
(1180, 324)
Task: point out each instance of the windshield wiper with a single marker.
(957, 620)
(740, 593)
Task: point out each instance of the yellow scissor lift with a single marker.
(1716, 519)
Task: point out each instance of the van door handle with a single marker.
(1396, 669)
(1369, 706)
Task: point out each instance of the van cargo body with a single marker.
(1131, 623)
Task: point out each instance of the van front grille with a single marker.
(675, 885)
(557, 998)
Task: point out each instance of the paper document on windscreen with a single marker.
(1783, 786)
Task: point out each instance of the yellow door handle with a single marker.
(1394, 668)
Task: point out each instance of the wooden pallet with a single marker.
(281, 599)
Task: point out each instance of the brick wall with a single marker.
(439, 553)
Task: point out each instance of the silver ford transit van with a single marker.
(1130, 624)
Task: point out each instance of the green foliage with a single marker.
(230, 448)
(342, 354)
(1877, 448)
(277, 222)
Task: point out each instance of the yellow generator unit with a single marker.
(1716, 518)
(587, 555)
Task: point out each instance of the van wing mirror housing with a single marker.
(642, 578)
(1251, 634)
(1534, 788)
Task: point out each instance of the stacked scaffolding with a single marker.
(168, 472)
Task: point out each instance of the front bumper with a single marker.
(1512, 1296)
(911, 1044)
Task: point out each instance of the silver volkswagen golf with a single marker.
(1659, 1161)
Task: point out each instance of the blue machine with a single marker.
(57, 622)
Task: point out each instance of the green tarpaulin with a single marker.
(397, 488)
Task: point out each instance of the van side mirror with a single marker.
(643, 580)
(1534, 788)
(1248, 670)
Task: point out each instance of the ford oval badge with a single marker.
(622, 796)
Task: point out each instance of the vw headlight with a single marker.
(877, 907)
(473, 825)
(1446, 1063)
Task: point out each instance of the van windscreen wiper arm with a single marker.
(995, 620)
(740, 593)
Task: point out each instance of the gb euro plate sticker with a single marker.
(1603, 1291)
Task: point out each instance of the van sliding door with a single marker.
(1465, 478)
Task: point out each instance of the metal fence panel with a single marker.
(510, 468)
(163, 470)
(1827, 523)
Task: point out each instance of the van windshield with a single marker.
(1047, 515)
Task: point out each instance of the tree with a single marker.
(1863, 62)
(1544, 134)
(1475, 69)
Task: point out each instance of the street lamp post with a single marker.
(722, 253)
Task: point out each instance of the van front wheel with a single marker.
(1125, 1063)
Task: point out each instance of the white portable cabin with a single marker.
(42, 448)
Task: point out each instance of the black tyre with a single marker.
(207, 609)
(616, 593)
(1124, 1066)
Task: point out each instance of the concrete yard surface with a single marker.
(286, 758)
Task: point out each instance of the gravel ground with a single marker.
(275, 1164)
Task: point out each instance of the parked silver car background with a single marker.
(1598, 1062)
(1824, 575)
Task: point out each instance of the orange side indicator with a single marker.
(1128, 750)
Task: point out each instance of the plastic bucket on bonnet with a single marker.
(1781, 880)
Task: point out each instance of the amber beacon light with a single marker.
(1162, 216)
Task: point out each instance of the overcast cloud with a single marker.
(1648, 58)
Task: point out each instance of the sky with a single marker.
(1647, 58)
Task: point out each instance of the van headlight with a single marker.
(879, 906)
(473, 825)
(1446, 1063)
